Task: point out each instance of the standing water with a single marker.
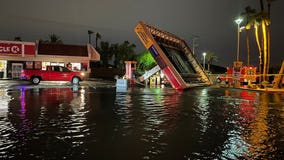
(140, 123)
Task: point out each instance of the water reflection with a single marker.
(254, 134)
(260, 132)
(4, 100)
(203, 106)
(243, 103)
(140, 123)
(44, 114)
(147, 115)
(5, 126)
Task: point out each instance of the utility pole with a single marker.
(194, 44)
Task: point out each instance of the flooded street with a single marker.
(140, 123)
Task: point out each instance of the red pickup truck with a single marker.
(52, 73)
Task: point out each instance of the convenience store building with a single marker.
(15, 56)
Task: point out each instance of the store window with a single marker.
(2, 66)
(3, 69)
(76, 66)
(69, 66)
(44, 64)
(57, 64)
(37, 65)
(29, 65)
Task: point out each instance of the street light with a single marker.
(204, 55)
(238, 21)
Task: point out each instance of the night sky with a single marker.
(212, 21)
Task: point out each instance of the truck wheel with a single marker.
(75, 80)
(35, 80)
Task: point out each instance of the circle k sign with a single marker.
(10, 48)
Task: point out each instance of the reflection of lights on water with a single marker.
(78, 101)
(203, 109)
(23, 102)
(75, 88)
(235, 146)
(25, 124)
(4, 100)
(82, 97)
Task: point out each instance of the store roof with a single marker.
(62, 50)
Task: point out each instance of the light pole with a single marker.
(204, 55)
(238, 21)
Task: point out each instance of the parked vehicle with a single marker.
(52, 73)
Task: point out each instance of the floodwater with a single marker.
(140, 123)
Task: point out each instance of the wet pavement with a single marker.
(95, 121)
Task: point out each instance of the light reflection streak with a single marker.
(236, 145)
(78, 101)
(203, 107)
(4, 100)
(260, 130)
(23, 102)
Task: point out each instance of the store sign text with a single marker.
(10, 48)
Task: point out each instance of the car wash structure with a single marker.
(173, 56)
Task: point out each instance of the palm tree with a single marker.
(104, 51)
(261, 39)
(210, 58)
(261, 5)
(249, 12)
(268, 34)
(114, 50)
(263, 17)
(125, 52)
(17, 38)
(120, 53)
(54, 39)
(260, 23)
(90, 33)
(265, 23)
(98, 36)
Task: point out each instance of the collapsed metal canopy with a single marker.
(173, 56)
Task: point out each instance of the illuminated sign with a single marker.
(238, 64)
(143, 36)
(10, 48)
(17, 48)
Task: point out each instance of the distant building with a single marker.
(15, 56)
